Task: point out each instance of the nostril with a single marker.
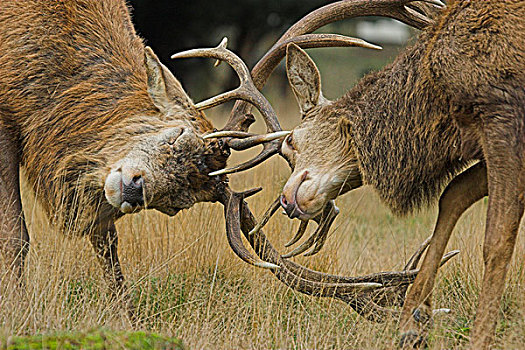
(132, 193)
(137, 181)
(284, 202)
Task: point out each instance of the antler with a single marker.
(246, 92)
(407, 11)
(365, 294)
(318, 238)
(324, 220)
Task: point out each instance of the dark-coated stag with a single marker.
(454, 100)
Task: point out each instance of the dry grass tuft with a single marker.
(187, 283)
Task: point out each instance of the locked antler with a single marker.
(368, 295)
(410, 12)
(415, 13)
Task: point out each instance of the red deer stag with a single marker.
(101, 128)
(454, 98)
(98, 125)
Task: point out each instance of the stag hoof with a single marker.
(412, 340)
(422, 316)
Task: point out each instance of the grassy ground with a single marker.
(188, 284)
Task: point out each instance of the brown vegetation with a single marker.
(187, 283)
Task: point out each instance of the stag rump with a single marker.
(453, 99)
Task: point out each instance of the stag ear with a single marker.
(304, 77)
(164, 89)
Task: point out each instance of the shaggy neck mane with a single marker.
(407, 143)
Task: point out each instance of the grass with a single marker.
(188, 284)
(94, 340)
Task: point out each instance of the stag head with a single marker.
(168, 164)
(330, 168)
(166, 168)
(319, 150)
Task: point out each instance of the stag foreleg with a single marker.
(14, 239)
(104, 239)
(463, 191)
(503, 150)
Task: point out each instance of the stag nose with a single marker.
(133, 191)
(291, 208)
(288, 198)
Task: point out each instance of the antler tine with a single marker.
(303, 247)
(269, 149)
(324, 220)
(246, 90)
(252, 141)
(310, 41)
(300, 233)
(243, 140)
(324, 227)
(330, 13)
(235, 239)
(414, 259)
(266, 217)
(228, 133)
(395, 296)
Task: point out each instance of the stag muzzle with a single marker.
(125, 189)
(288, 199)
(133, 191)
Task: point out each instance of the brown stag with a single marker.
(97, 124)
(101, 128)
(454, 100)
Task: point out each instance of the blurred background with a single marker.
(252, 26)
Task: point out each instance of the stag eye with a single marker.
(172, 139)
(289, 141)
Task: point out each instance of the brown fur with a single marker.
(455, 97)
(412, 111)
(76, 96)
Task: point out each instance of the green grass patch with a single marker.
(96, 339)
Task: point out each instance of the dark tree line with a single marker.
(251, 26)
